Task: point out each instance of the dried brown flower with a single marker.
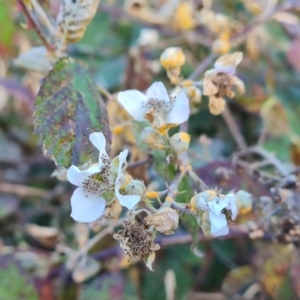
(165, 220)
(220, 81)
(137, 241)
(289, 231)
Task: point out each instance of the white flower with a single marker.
(220, 208)
(88, 200)
(156, 106)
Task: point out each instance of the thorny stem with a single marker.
(36, 26)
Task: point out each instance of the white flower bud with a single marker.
(244, 201)
(135, 187)
(165, 220)
(172, 58)
(180, 142)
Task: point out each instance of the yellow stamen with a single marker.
(117, 129)
(152, 194)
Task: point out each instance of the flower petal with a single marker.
(86, 207)
(122, 162)
(76, 176)
(180, 111)
(217, 205)
(202, 204)
(209, 88)
(134, 102)
(128, 201)
(218, 224)
(99, 141)
(228, 62)
(158, 91)
(230, 199)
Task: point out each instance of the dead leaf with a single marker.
(47, 237)
(73, 18)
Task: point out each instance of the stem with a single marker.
(176, 181)
(139, 163)
(93, 241)
(233, 128)
(181, 207)
(198, 180)
(235, 232)
(22, 190)
(36, 26)
(272, 159)
(105, 92)
(202, 66)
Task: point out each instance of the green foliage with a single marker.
(178, 259)
(68, 108)
(14, 286)
(6, 33)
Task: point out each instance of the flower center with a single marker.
(156, 108)
(99, 183)
(223, 82)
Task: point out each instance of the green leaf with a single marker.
(189, 221)
(68, 108)
(15, 285)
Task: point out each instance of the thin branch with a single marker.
(270, 157)
(22, 190)
(181, 207)
(235, 232)
(173, 188)
(36, 26)
(202, 66)
(93, 241)
(198, 180)
(105, 92)
(234, 129)
(239, 37)
(139, 163)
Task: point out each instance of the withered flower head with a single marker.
(289, 231)
(137, 241)
(165, 220)
(220, 81)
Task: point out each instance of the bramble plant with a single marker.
(97, 138)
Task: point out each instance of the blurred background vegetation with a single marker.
(36, 233)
